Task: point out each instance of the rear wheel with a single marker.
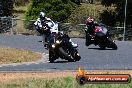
(112, 44)
(76, 55)
(102, 47)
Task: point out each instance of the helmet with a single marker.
(89, 20)
(42, 15)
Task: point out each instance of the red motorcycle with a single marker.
(101, 38)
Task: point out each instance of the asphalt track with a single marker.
(92, 57)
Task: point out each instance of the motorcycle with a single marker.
(59, 46)
(101, 38)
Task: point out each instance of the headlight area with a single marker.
(57, 41)
(53, 45)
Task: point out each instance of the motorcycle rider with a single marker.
(42, 20)
(89, 30)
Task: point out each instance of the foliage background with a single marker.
(72, 10)
(120, 11)
(58, 10)
(6, 7)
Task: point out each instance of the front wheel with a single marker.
(51, 56)
(66, 55)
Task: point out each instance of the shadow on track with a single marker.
(61, 62)
(100, 49)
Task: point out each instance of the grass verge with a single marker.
(11, 55)
(66, 82)
(57, 79)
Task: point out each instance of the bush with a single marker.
(80, 14)
(58, 10)
(20, 2)
(96, 11)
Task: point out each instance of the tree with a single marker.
(58, 10)
(76, 1)
(120, 4)
(108, 17)
(20, 2)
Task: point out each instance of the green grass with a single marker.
(67, 82)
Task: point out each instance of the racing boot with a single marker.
(88, 40)
(73, 44)
(45, 43)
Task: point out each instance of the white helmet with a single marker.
(42, 15)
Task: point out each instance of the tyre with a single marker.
(51, 56)
(102, 47)
(112, 44)
(66, 55)
(76, 55)
(71, 60)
